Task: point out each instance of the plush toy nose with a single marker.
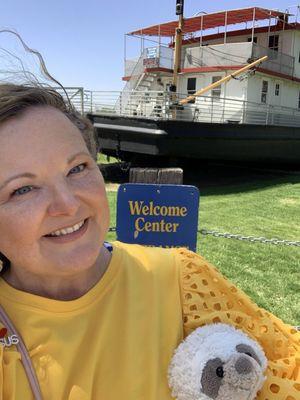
(243, 365)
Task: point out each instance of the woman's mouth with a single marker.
(70, 233)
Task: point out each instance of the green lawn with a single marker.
(102, 159)
(270, 274)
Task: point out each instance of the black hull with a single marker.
(206, 141)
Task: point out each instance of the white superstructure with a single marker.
(214, 45)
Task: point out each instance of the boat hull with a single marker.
(126, 136)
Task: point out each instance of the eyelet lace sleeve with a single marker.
(208, 297)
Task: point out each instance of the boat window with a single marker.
(254, 39)
(299, 57)
(264, 91)
(216, 92)
(273, 42)
(277, 89)
(191, 85)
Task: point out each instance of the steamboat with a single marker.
(193, 91)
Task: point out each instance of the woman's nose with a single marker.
(63, 201)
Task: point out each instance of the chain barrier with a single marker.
(226, 235)
(261, 239)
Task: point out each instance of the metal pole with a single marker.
(125, 53)
(253, 23)
(159, 37)
(159, 45)
(294, 38)
(269, 24)
(201, 40)
(82, 100)
(284, 20)
(201, 28)
(225, 33)
(178, 46)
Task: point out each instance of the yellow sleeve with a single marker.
(209, 297)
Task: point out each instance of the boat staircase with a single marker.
(141, 102)
(133, 99)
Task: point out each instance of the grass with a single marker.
(269, 274)
(102, 159)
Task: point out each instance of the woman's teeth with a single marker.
(65, 231)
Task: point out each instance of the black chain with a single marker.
(253, 239)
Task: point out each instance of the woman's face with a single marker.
(48, 183)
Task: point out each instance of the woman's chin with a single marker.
(76, 261)
(74, 256)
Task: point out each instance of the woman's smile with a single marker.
(69, 234)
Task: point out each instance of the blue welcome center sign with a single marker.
(158, 215)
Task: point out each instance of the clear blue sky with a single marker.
(82, 41)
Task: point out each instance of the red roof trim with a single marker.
(241, 32)
(235, 67)
(159, 69)
(209, 21)
(219, 68)
(156, 69)
(280, 75)
(210, 69)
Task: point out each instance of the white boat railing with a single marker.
(76, 95)
(162, 105)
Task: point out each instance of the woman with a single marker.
(99, 324)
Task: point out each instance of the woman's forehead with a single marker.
(42, 135)
(39, 127)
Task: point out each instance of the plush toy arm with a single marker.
(209, 297)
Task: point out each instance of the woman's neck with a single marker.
(61, 288)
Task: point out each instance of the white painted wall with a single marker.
(234, 89)
(296, 51)
(285, 40)
(249, 89)
(289, 91)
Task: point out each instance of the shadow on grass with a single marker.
(216, 179)
(115, 172)
(224, 179)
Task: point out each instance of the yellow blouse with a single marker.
(116, 341)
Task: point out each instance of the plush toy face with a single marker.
(217, 362)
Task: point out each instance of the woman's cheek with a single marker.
(91, 185)
(23, 217)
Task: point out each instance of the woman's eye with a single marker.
(22, 190)
(79, 168)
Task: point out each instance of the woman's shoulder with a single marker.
(173, 264)
(152, 258)
(178, 255)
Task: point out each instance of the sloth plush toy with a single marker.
(217, 362)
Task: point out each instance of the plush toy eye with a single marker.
(220, 372)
